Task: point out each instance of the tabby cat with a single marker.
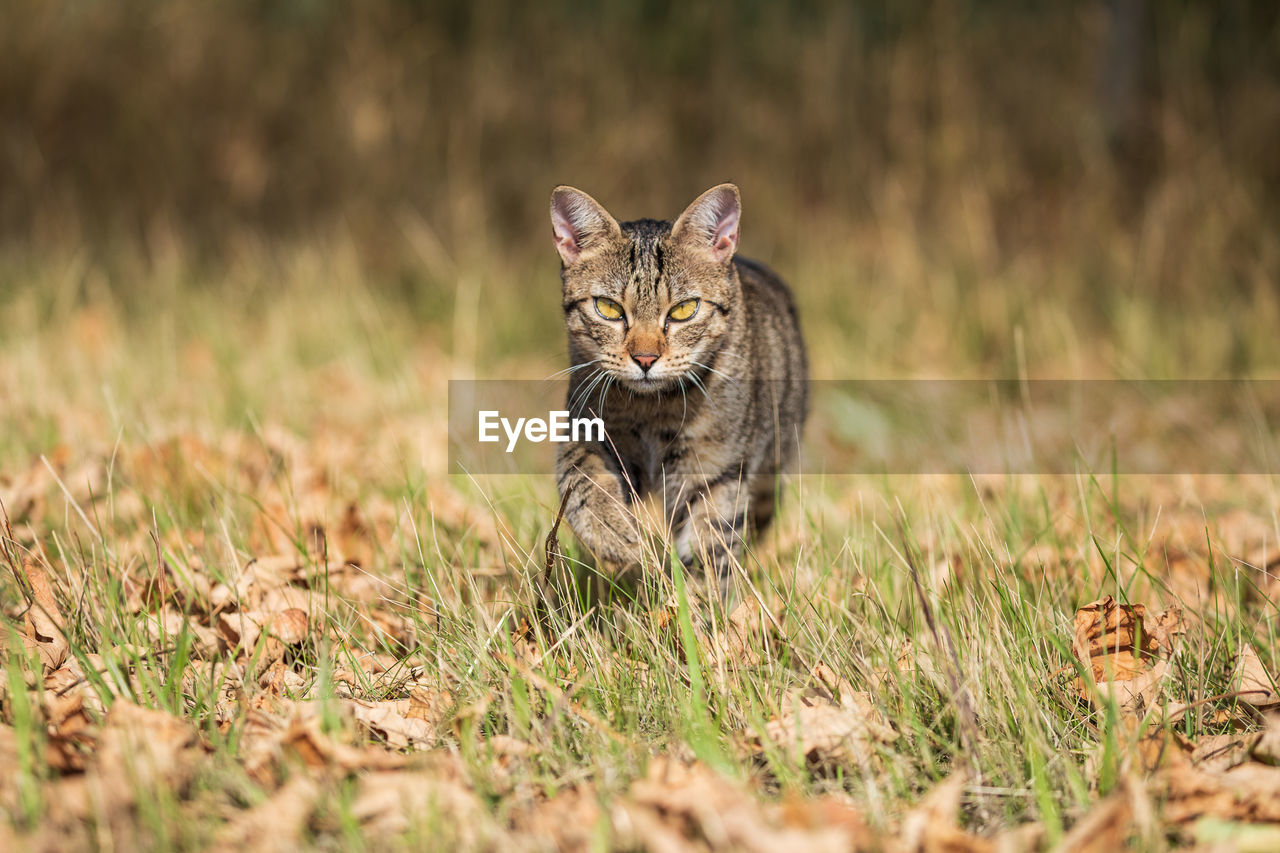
(693, 358)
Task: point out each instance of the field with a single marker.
(246, 602)
(244, 247)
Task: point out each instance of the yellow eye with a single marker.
(685, 310)
(608, 309)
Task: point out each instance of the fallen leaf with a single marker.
(244, 628)
(166, 624)
(274, 825)
(829, 732)
(909, 660)
(1125, 652)
(430, 705)
(303, 738)
(748, 634)
(1252, 681)
(1222, 752)
(680, 807)
(1267, 747)
(1250, 540)
(44, 619)
(391, 721)
(140, 751)
(389, 804)
(566, 821)
(931, 825)
(1109, 825)
(1246, 792)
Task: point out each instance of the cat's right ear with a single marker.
(579, 222)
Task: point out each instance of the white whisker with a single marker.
(708, 367)
(571, 369)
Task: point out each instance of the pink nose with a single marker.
(645, 360)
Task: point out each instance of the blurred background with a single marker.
(972, 188)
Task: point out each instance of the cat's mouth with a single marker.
(650, 383)
(646, 384)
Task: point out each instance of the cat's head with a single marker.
(648, 303)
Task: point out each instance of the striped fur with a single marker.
(719, 413)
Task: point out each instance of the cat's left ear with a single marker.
(711, 222)
(579, 223)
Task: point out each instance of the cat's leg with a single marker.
(599, 505)
(710, 528)
(764, 500)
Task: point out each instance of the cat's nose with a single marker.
(645, 360)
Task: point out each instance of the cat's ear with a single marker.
(711, 222)
(578, 222)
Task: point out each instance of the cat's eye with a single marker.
(608, 309)
(685, 310)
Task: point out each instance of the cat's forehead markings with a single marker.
(645, 238)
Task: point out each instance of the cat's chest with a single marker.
(661, 442)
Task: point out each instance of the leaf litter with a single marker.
(389, 732)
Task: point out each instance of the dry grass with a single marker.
(292, 415)
(244, 247)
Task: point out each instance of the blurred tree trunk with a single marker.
(1127, 96)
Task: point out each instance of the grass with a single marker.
(244, 247)
(198, 421)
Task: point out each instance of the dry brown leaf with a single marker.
(43, 632)
(829, 731)
(1252, 681)
(1249, 539)
(747, 635)
(72, 711)
(931, 825)
(275, 825)
(303, 737)
(10, 751)
(1108, 826)
(566, 821)
(509, 757)
(292, 728)
(140, 750)
(678, 807)
(390, 803)
(1159, 747)
(280, 680)
(742, 640)
(506, 746)
(261, 745)
(1257, 791)
(391, 721)
(1024, 838)
(356, 585)
(430, 705)
(524, 643)
(909, 660)
(244, 628)
(451, 510)
(354, 537)
(166, 624)
(839, 688)
(831, 811)
(1267, 747)
(1124, 651)
(23, 495)
(1222, 752)
(1248, 792)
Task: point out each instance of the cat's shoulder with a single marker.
(760, 280)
